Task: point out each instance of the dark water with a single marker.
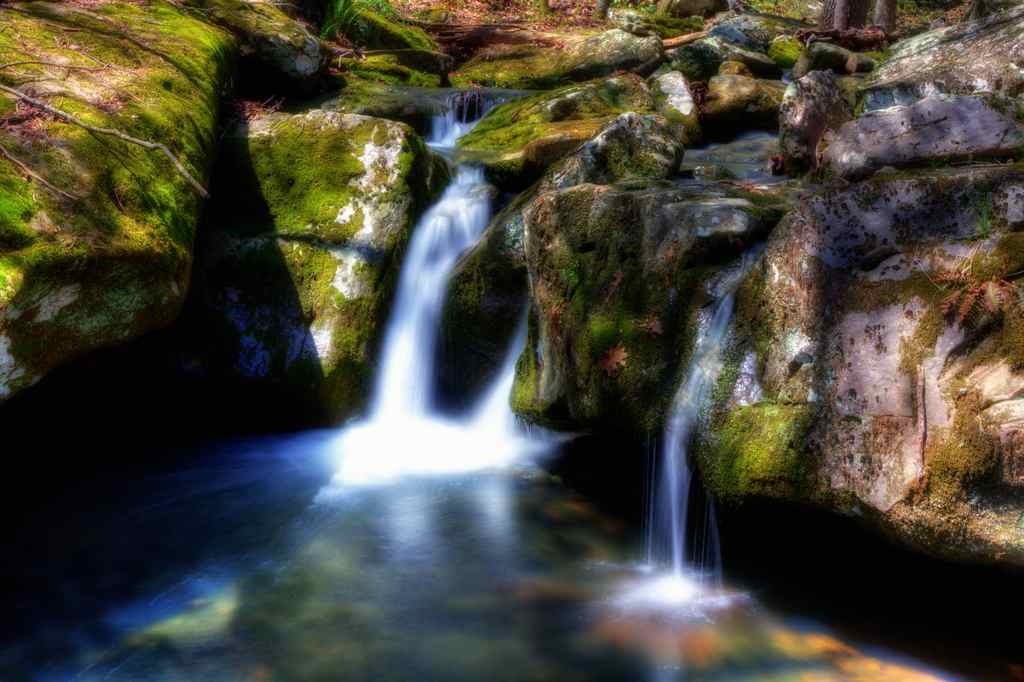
(250, 565)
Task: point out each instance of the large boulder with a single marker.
(292, 285)
(702, 59)
(735, 103)
(544, 66)
(885, 348)
(984, 56)
(644, 24)
(96, 233)
(755, 31)
(281, 50)
(673, 99)
(811, 106)
(518, 140)
(934, 129)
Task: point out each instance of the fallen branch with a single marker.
(112, 132)
(857, 39)
(679, 41)
(35, 176)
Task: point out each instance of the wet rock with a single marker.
(811, 106)
(974, 57)
(1005, 421)
(674, 100)
(830, 57)
(735, 103)
(689, 8)
(517, 141)
(702, 59)
(295, 283)
(932, 129)
(853, 345)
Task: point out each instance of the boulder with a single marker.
(735, 103)
(830, 57)
(811, 106)
(755, 31)
(674, 100)
(785, 51)
(974, 57)
(292, 286)
(580, 58)
(95, 233)
(734, 69)
(282, 50)
(871, 397)
(702, 59)
(406, 104)
(518, 140)
(688, 8)
(931, 130)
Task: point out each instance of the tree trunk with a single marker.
(885, 15)
(843, 14)
(601, 9)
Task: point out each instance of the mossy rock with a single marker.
(518, 140)
(758, 451)
(785, 51)
(541, 66)
(412, 105)
(390, 69)
(371, 30)
(295, 284)
(112, 263)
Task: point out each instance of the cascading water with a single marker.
(404, 433)
(667, 506)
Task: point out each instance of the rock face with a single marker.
(532, 66)
(517, 141)
(812, 105)
(294, 284)
(736, 103)
(930, 130)
(96, 246)
(873, 401)
(689, 8)
(985, 56)
(276, 44)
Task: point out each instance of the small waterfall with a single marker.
(668, 513)
(404, 432)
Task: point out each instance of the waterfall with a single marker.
(668, 511)
(404, 433)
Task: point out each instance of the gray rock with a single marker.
(755, 31)
(812, 105)
(735, 103)
(674, 101)
(933, 129)
(984, 56)
(611, 51)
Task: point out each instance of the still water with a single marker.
(255, 563)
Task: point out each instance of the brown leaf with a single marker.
(614, 360)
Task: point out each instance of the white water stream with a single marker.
(404, 432)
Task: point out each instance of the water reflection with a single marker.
(501, 575)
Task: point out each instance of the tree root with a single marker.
(113, 132)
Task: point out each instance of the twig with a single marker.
(113, 132)
(54, 64)
(36, 176)
(678, 41)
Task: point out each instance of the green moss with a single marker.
(785, 51)
(962, 455)
(526, 67)
(759, 451)
(670, 27)
(388, 69)
(370, 29)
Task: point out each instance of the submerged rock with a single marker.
(811, 106)
(931, 130)
(295, 282)
(518, 140)
(96, 241)
(871, 394)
